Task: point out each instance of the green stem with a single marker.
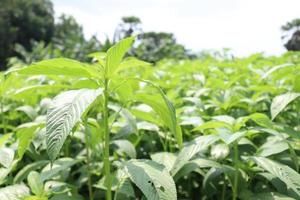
(117, 114)
(224, 189)
(163, 143)
(2, 105)
(3, 115)
(67, 147)
(88, 162)
(236, 160)
(106, 142)
(137, 140)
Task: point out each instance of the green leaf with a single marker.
(36, 198)
(67, 110)
(270, 196)
(205, 163)
(124, 146)
(23, 173)
(289, 176)
(164, 108)
(28, 110)
(165, 158)
(35, 183)
(59, 66)
(4, 138)
(131, 62)
(124, 90)
(66, 197)
(99, 56)
(261, 119)
(224, 118)
(152, 179)
(213, 125)
(57, 186)
(276, 182)
(28, 92)
(4, 172)
(273, 69)
(115, 55)
(25, 134)
(230, 172)
(281, 101)
(219, 151)
(85, 83)
(229, 138)
(14, 192)
(129, 124)
(58, 166)
(191, 149)
(6, 157)
(146, 116)
(123, 189)
(195, 165)
(272, 146)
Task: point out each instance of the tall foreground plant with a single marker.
(70, 107)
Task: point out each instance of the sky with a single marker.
(245, 26)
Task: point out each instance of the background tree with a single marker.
(67, 41)
(22, 21)
(129, 25)
(106, 44)
(155, 46)
(150, 46)
(70, 40)
(292, 31)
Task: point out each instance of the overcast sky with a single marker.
(245, 26)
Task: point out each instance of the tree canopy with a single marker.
(292, 31)
(22, 21)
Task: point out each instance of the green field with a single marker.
(121, 128)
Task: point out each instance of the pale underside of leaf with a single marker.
(6, 157)
(286, 174)
(281, 101)
(14, 192)
(191, 149)
(66, 112)
(152, 179)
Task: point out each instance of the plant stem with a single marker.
(3, 115)
(106, 142)
(88, 162)
(236, 160)
(2, 104)
(224, 189)
(163, 143)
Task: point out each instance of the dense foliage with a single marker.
(28, 33)
(22, 21)
(225, 128)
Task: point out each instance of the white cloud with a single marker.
(246, 26)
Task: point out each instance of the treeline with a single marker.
(29, 33)
(292, 34)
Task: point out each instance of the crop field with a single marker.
(120, 128)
